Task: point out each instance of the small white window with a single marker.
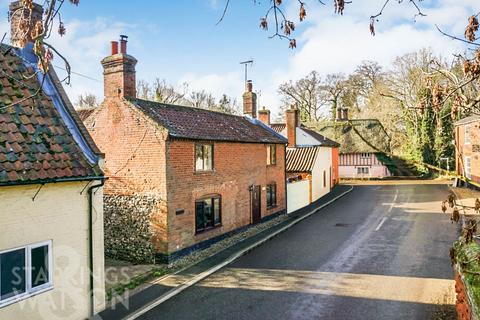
(365, 155)
(468, 139)
(468, 167)
(362, 170)
(25, 271)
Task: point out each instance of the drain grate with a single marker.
(342, 224)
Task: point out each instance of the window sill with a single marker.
(208, 229)
(272, 165)
(204, 171)
(272, 207)
(23, 296)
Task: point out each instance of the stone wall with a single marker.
(128, 231)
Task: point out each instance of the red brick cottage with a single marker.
(467, 148)
(180, 177)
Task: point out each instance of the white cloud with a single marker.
(84, 45)
(217, 84)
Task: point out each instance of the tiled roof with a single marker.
(356, 135)
(85, 113)
(36, 146)
(199, 124)
(301, 159)
(466, 120)
(322, 140)
(278, 127)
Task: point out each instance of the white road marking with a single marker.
(381, 223)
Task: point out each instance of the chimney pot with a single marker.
(114, 47)
(249, 86)
(249, 100)
(123, 44)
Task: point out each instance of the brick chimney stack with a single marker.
(249, 101)
(342, 114)
(119, 79)
(17, 13)
(264, 116)
(292, 117)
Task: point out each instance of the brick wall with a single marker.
(471, 150)
(462, 303)
(134, 150)
(236, 167)
(140, 162)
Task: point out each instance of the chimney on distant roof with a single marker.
(292, 118)
(264, 116)
(18, 14)
(249, 100)
(119, 78)
(342, 114)
(338, 115)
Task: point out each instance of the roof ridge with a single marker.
(186, 107)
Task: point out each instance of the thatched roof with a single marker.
(356, 135)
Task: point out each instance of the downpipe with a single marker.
(90, 244)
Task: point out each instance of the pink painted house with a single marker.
(364, 145)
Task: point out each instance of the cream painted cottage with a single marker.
(51, 206)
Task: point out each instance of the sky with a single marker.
(179, 41)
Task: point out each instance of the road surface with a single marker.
(380, 252)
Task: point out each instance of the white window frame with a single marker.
(468, 168)
(365, 155)
(468, 133)
(362, 168)
(29, 291)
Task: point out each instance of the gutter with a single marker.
(90, 243)
(50, 180)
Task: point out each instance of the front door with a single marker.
(256, 204)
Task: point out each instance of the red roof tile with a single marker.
(35, 143)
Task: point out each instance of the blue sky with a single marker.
(178, 40)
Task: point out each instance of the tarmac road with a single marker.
(380, 252)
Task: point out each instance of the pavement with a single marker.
(381, 252)
(169, 286)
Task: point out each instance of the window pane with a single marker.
(274, 194)
(268, 155)
(39, 271)
(12, 277)
(274, 154)
(207, 157)
(199, 216)
(208, 212)
(217, 210)
(198, 157)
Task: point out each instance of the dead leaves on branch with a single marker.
(41, 30)
(471, 29)
(339, 6)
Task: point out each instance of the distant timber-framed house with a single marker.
(180, 178)
(51, 204)
(364, 145)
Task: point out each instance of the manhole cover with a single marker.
(342, 225)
